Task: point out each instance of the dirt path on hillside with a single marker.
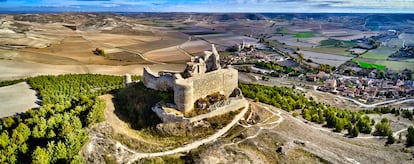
(117, 124)
(127, 155)
(334, 148)
(192, 145)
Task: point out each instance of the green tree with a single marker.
(315, 117)
(349, 127)
(4, 140)
(383, 128)
(8, 122)
(40, 156)
(78, 160)
(295, 114)
(50, 149)
(39, 130)
(364, 125)
(97, 112)
(60, 152)
(410, 136)
(355, 131)
(21, 134)
(339, 125)
(390, 139)
(74, 142)
(301, 57)
(306, 115)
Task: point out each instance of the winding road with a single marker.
(397, 101)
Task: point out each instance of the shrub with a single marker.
(390, 139)
(410, 136)
(355, 131)
(295, 114)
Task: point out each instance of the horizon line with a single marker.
(189, 12)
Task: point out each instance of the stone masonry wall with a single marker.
(235, 104)
(222, 80)
(187, 91)
(163, 83)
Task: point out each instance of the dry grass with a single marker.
(154, 45)
(75, 48)
(301, 156)
(119, 40)
(196, 47)
(127, 56)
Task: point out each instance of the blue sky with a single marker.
(298, 6)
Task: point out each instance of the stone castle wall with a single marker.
(223, 81)
(234, 104)
(153, 81)
(187, 91)
(202, 77)
(184, 95)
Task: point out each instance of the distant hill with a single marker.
(200, 16)
(401, 22)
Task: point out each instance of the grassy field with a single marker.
(304, 35)
(379, 56)
(370, 65)
(373, 55)
(396, 65)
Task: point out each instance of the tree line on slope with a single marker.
(290, 99)
(55, 132)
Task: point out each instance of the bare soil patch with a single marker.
(119, 40)
(127, 56)
(322, 58)
(154, 45)
(195, 47)
(118, 125)
(17, 98)
(45, 58)
(73, 47)
(169, 54)
(227, 40)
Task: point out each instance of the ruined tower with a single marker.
(203, 76)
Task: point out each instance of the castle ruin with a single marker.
(203, 76)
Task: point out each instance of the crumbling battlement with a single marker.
(203, 76)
